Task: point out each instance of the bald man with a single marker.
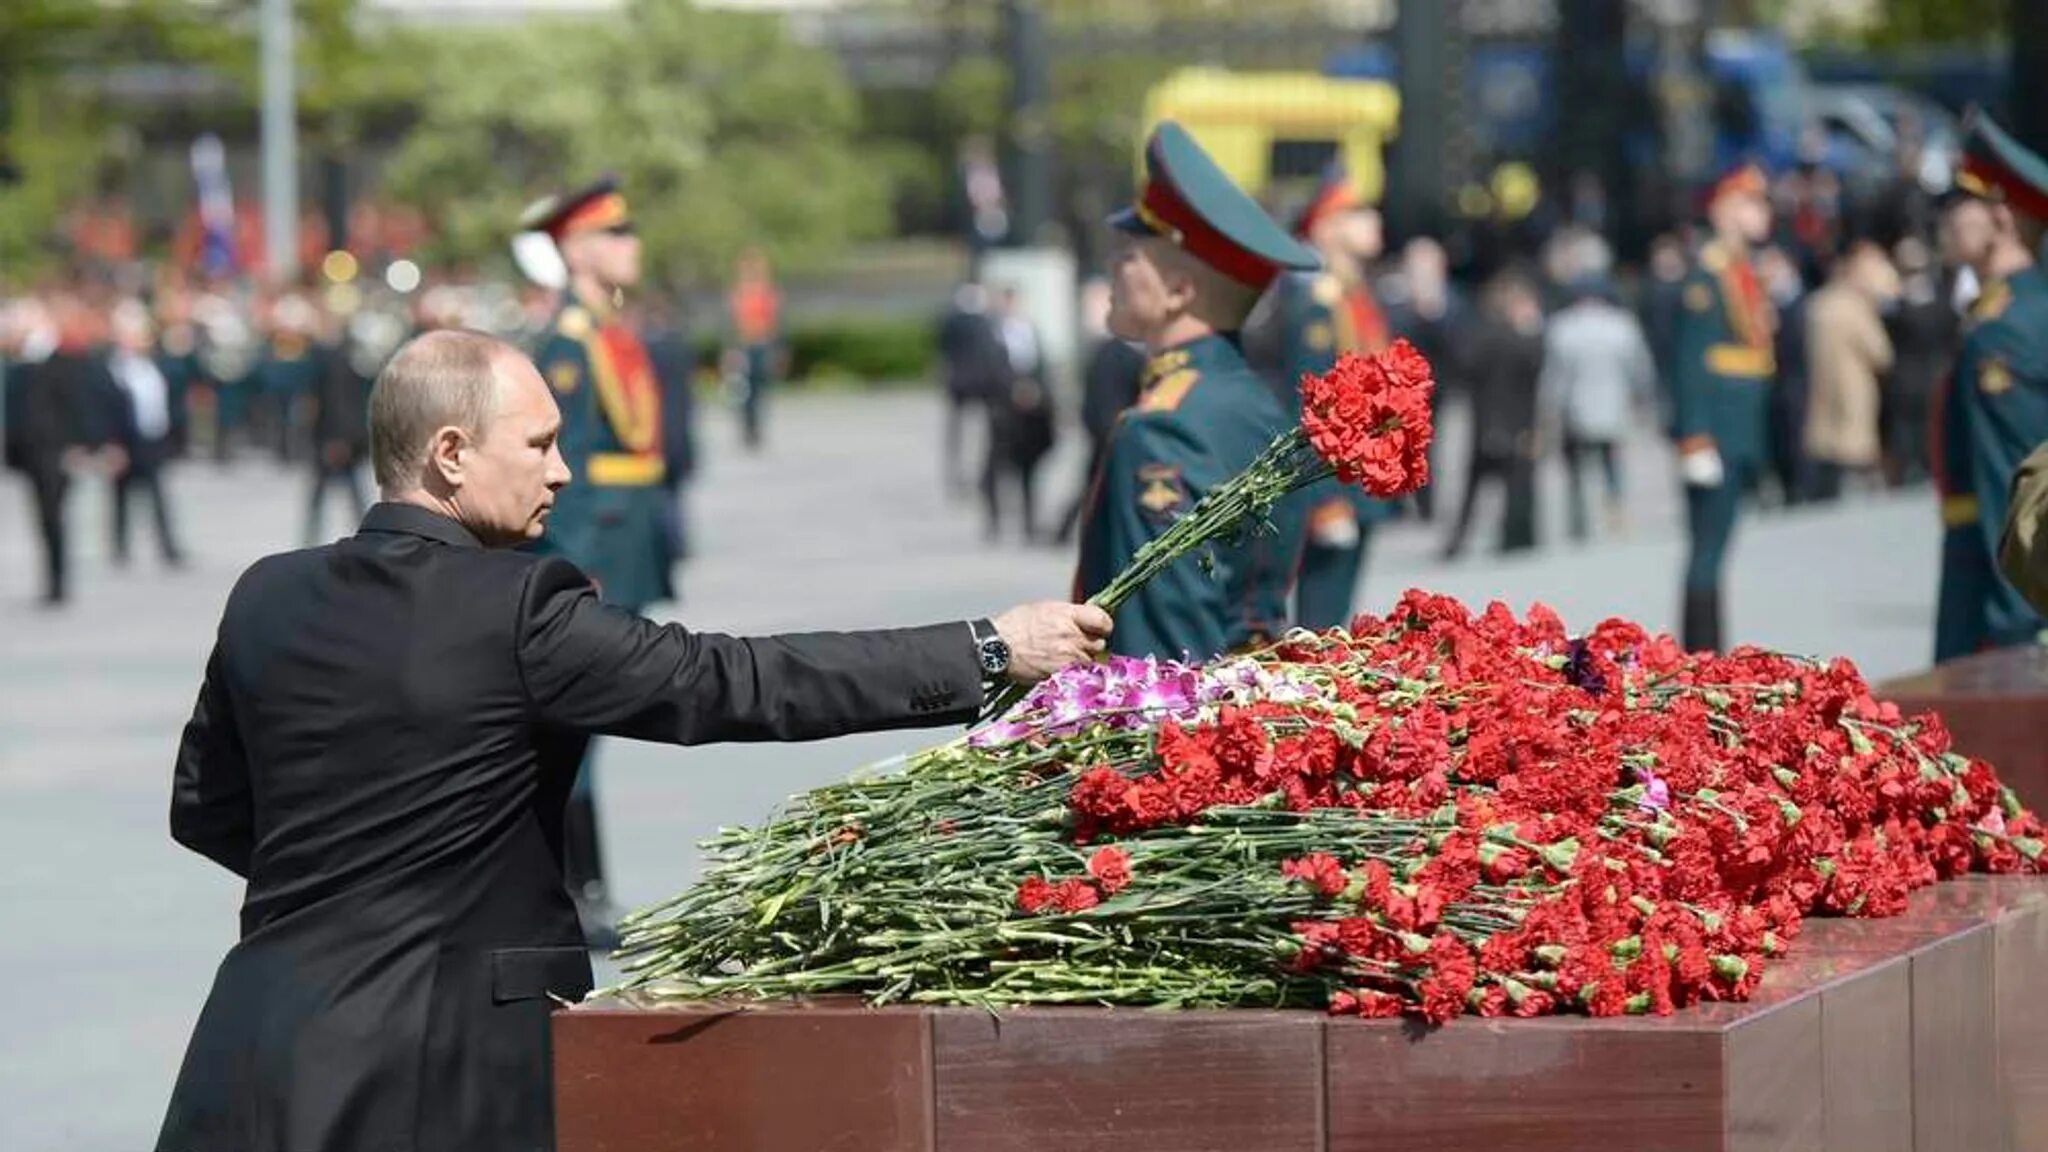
(383, 746)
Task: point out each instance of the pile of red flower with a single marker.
(1655, 824)
(1431, 813)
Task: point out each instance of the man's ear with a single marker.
(445, 454)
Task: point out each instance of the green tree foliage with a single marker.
(725, 132)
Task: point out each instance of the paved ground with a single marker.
(111, 931)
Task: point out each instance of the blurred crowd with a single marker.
(1556, 352)
(121, 375)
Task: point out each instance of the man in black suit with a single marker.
(383, 745)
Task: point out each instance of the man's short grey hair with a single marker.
(443, 378)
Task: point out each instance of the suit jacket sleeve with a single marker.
(211, 811)
(596, 667)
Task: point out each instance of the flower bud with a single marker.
(1626, 948)
(1549, 955)
(1731, 968)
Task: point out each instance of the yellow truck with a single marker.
(1272, 131)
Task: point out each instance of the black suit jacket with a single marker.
(383, 745)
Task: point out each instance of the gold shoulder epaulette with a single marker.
(1167, 394)
(575, 322)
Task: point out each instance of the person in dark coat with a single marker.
(62, 416)
(971, 357)
(1926, 334)
(383, 746)
(1021, 421)
(1504, 366)
(1426, 309)
(149, 429)
(341, 433)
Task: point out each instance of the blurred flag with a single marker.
(216, 205)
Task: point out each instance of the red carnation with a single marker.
(1319, 870)
(1034, 895)
(1368, 417)
(1111, 868)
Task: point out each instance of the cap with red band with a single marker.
(1189, 201)
(594, 207)
(1336, 193)
(1998, 168)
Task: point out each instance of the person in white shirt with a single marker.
(148, 427)
(1598, 374)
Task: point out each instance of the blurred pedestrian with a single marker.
(1723, 365)
(1326, 314)
(755, 354)
(1847, 352)
(62, 419)
(1659, 308)
(1109, 384)
(1784, 463)
(1021, 421)
(1597, 373)
(1505, 365)
(341, 433)
(972, 359)
(1426, 309)
(148, 424)
(1926, 333)
(285, 376)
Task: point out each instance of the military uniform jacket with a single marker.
(1323, 317)
(1202, 416)
(612, 519)
(383, 745)
(1723, 359)
(1991, 413)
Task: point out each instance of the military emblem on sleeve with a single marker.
(1161, 492)
(1994, 377)
(1318, 336)
(1698, 297)
(563, 377)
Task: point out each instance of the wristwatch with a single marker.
(990, 649)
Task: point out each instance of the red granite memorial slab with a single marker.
(1996, 707)
(1926, 1032)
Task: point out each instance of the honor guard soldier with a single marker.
(1324, 315)
(1195, 254)
(1993, 409)
(612, 522)
(1723, 365)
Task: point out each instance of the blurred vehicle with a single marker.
(1863, 125)
(1268, 129)
(1757, 98)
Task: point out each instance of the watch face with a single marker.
(995, 657)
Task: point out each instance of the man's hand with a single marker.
(1046, 637)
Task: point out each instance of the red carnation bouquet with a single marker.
(1366, 421)
(1433, 813)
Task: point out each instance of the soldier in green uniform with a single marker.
(1993, 410)
(1324, 315)
(613, 521)
(1195, 255)
(1721, 372)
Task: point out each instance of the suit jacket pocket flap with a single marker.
(533, 973)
